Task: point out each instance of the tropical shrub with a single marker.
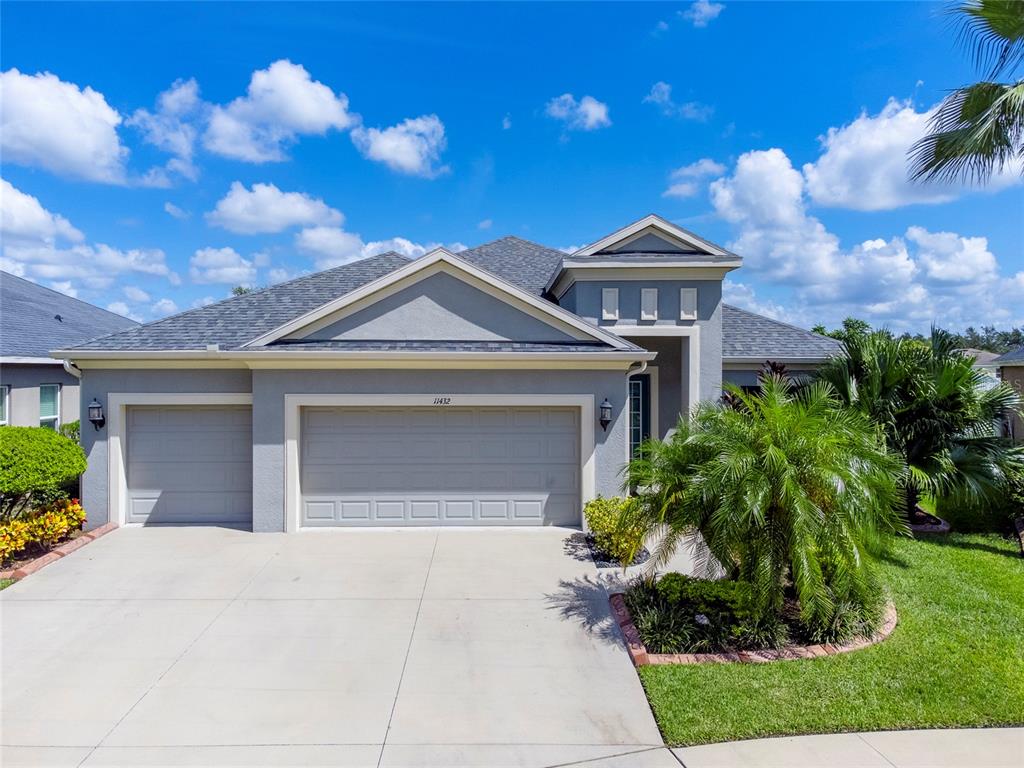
(42, 529)
(790, 492)
(613, 528)
(34, 461)
(933, 408)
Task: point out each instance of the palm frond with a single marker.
(993, 30)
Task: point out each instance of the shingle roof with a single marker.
(235, 321)
(746, 335)
(528, 265)
(1013, 357)
(34, 319)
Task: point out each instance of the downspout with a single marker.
(72, 369)
(641, 369)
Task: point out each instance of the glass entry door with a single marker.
(639, 411)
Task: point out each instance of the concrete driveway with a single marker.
(209, 646)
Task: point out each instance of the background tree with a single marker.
(934, 408)
(979, 129)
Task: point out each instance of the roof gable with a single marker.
(437, 261)
(653, 236)
(36, 319)
(526, 264)
(438, 307)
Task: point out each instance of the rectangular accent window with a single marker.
(609, 303)
(687, 303)
(639, 411)
(648, 303)
(5, 397)
(49, 406)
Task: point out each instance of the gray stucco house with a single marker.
(502, 385)
(1010, 368)
(36, 389)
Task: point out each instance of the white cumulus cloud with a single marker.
(176, 212)
(221, 265)
(333, 246)
(23, 218)
(661, 95)
(163, 307)
(906, 280)
(587, 114)
(863, 165)
(172, 128)
(264, 208)
(136, 294)
(685, 181)
(413, 147)
(702, 12)
(52, 124)
(282, 102)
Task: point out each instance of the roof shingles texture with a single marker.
(746, 335)
(29, 324)
(234, 322)
(1014, 357)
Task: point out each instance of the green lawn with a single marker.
(5, 583)
(956, 659)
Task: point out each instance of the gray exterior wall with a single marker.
(440, 307)
(270, 387)
(101, 383)
(672, 383)
(24, 381)
(584, 298)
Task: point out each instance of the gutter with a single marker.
(72, 369)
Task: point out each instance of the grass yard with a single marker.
(955, 660)
(5, 583)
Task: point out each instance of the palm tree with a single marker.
(933, 407)
(979, 129)
(789, 491)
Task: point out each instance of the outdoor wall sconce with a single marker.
(96, 417)
(606, 414)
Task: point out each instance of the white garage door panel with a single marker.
(189, 464)
(435, 466)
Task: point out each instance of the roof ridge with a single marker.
(40, 286)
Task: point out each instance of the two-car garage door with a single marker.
(440, 466)
(362, 466)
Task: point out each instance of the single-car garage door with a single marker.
(189, 464)
(440, 466)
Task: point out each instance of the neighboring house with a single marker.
(35, 389)
(1010, 368)
(503, 385)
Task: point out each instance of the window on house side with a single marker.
(5, 396)
(687, 303)
(49, 406)
(609, 303)
(649, 304)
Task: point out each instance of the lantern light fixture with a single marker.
(96, 417)
(606, 415)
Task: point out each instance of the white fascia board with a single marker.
(456, 264)
(18, 360)
(760, 359)
(614, 270)
(659, 225)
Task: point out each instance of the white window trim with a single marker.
(696, 309)
(693, 361)
(646, 293)
(117, 405)
(5, 395)
(56, 427)
(293, 404)
(652, 371)
(613, 294)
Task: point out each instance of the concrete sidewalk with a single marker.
(959, 748)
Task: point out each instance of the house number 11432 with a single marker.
(442, 401)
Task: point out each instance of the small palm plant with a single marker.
(934, 408)
(790, 493)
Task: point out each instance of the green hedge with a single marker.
(34, 461)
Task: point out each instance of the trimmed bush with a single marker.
(72, 430)
(42, 529)
(34, 460)
(611, 524)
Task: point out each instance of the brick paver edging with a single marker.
(641, 657)
(57, 553)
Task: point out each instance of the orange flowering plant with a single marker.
(44, 527)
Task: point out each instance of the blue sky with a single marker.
(293, 137)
